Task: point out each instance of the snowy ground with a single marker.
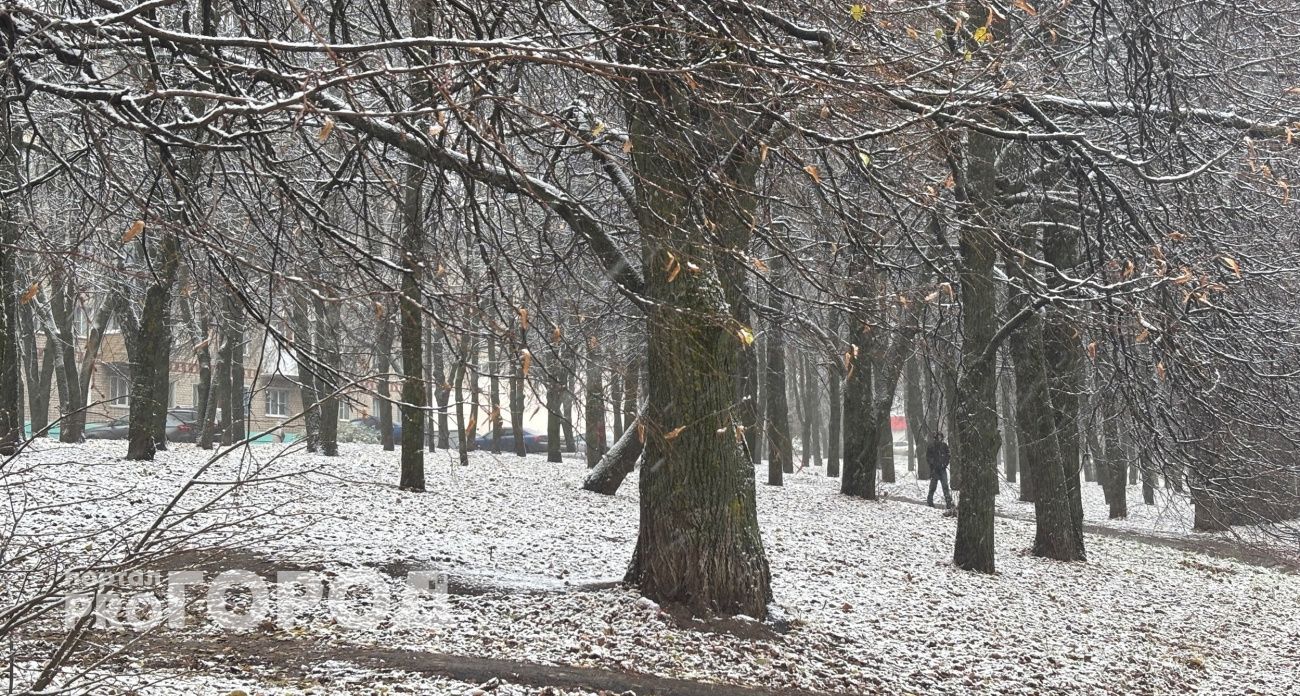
(876, 605)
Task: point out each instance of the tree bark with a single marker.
(1010, 433)
(1063, 353)
(698, 544)
(383, 365)
(412, 312)
(1040, 455)
(917, 425)
(594, 404)
(305, 355)
(617, 463)
(780, 454)
(977, 437)
(150, 374)
(494, 395)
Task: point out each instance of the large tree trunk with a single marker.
(71, 399)
(698, 544)
(11, 423)
(885, 427)
(1113, 468)
(1063, 353)
(977, 437)
(617, 463)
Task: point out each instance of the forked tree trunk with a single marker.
(1040, 455)
(442, 392)
(149, 371)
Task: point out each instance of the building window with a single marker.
(119, 391)
(277, 403)
(171, 394)
(197, 396)
(345, 409)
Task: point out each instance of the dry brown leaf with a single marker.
(31, 292)
(325, 129)
(527, 356)
(133, 231)
(812, 172)
(672, 434)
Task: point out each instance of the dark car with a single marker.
(372, 423)
(182, 426)
(116, 429)
(534, 443)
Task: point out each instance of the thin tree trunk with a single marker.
(554, 404)
(443, 391)
(494, 395)
(780, 456)
(1010, 433)
(594, 405)
(517, 386)
(917, 425)
(307, 369)
(383, 365)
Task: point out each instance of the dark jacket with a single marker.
(937, 455)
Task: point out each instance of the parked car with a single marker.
(182, 426)
(534, 443)
(371, 423)
(116, 429)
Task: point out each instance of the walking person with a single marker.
(938, 455)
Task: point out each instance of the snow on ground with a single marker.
(876, 605)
